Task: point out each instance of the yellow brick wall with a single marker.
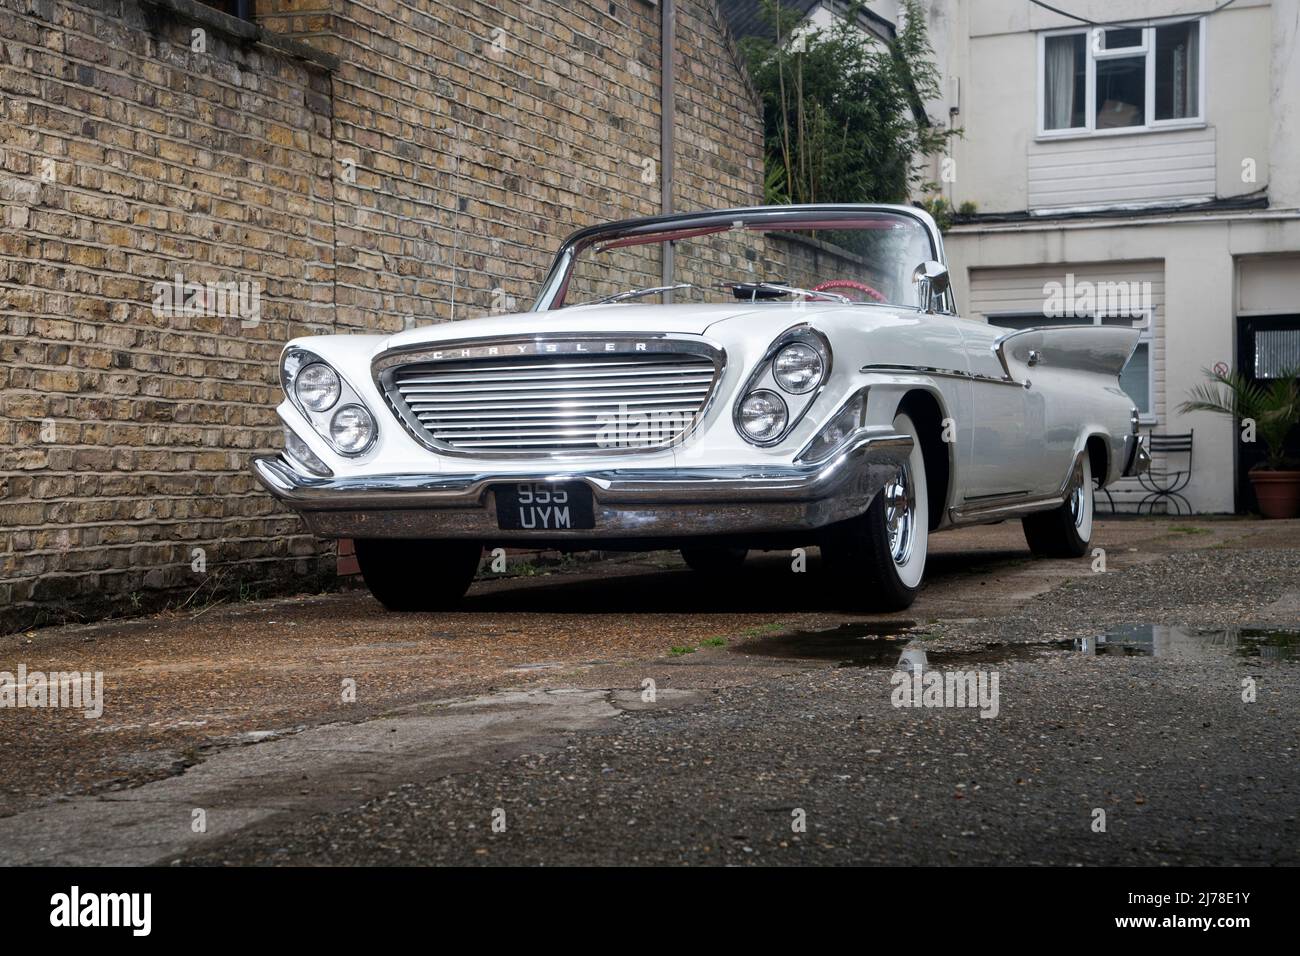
(480, 135)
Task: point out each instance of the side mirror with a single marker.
(931, 279)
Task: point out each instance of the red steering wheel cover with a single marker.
(848, 284)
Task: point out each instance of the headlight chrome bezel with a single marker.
(294, 361)
(763, 378)
(333, 390)
(355, 408)
(797, 348)
(782, 415)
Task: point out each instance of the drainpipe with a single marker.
(667, 114)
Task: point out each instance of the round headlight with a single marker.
(798, 368)
(317, 387)
(351, 429)
(763, 415)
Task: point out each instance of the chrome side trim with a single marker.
(997, 507)
(1002, 506)
(944, 372)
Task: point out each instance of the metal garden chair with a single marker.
(1166, 483)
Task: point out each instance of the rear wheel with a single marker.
(417, 575)
(716, 561)
(878, 558)
(1065, 531)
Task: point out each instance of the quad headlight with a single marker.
(763, 415)
(797, 368)
(317, 387)
(783, 385)
(329, 404)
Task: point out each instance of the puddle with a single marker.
(857, 644)
(1193, 643)
(893, 644)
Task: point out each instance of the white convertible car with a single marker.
(717, 382)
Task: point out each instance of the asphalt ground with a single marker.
(631, 711)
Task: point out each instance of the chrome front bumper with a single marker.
(628, 503)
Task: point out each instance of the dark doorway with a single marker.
(1264, 345)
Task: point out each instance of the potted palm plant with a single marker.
(1274, 408)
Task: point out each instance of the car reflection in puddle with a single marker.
(1193, 643)
(896, 644)
(857, 644)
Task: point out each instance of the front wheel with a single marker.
(417, 575)
(1066, 530)
(878, 558)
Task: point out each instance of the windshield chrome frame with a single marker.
(558, 275)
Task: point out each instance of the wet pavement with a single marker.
(630, 711)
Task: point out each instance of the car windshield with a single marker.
(834, 256)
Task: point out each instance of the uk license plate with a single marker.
(541, 506)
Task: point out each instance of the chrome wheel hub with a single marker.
(900, 514)
(1077, 503)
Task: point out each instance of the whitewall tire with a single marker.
(1065, 531)
(880, 555)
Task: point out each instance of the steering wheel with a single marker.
(849, 284)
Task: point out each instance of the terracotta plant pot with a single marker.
(1278, 492)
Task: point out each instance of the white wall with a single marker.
(1284, 183)
(1200, 300)
(990, 48)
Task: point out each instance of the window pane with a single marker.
(1178, 70)
(1121, 92)
(1064, 82)
(1277, 351)
(1122, 38)
(1136, 378)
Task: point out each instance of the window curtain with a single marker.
(1178, 70)
(1187, 60)
(1059, 66)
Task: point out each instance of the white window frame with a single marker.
(1093, 54)
(1147, 318)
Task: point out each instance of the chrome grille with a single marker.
(545, 404)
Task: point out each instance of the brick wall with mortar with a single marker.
(423, 166)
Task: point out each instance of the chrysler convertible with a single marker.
(716, 382)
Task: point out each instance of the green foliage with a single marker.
(842, 109)
(1274, 407)
(940, 209)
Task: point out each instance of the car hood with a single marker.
(692, 319)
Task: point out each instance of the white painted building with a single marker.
(1163, 151)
